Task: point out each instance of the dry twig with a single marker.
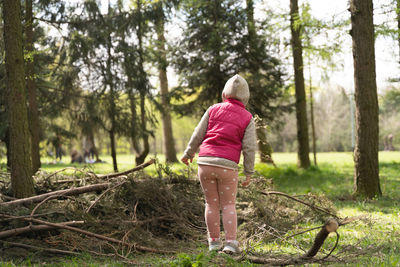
(102, 237)
(52, 250)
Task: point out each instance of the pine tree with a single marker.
(20, 146)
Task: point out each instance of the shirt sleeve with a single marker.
(249, 147)
(197, 136)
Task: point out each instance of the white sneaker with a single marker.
(231, 247)
(214, 244)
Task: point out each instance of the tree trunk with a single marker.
(7, 142)
(112, 109)
(145, 136)
(94, 148)
(113, 150)
(366, 176)
(143, 90)
(169, 142)
(301, 108)
(31, 86)
(263, 146)
(20, 145)
(398, 24)
(314, 139)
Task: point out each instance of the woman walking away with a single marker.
(224, 131)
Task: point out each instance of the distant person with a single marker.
(390, 142)
(56, 142)
(224, 131)
(76, 157)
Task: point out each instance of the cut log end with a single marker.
(330, 226)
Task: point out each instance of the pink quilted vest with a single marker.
(226, 126)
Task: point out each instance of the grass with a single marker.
(374, 240)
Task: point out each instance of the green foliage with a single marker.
(207, 55)
(390, 101)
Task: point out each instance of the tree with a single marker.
(142, 83)
(264, 77)
(301, 109)
(31, 86)
(92, 47)
(168, 141)
(207, 54)
(217, 43)
(20, 146)
(366, 176)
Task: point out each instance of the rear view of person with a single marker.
(225, 130)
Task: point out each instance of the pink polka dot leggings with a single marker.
(219, 187)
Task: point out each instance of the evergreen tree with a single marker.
(219, 42)
(208, 53)
(264, 75)
(20, 146)
(31, 87)
(92, 49)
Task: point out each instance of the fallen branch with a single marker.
(52, 250)
(65, 192)
(33, 228)
(298, 200)
(140, 167)
(7, 197)
(98, 236)
(64, 169)
(76, 191)
(102, 194)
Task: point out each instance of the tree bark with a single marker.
(94, 148)
(31, 86)
(145, 137)
(366, 176)
(301, 108)
(263, 146)
(143, 90)
(398, 24)
(8, 148)
(113, 150)
(314, 138)
(112, 108)
(168, 141)
(20, 145)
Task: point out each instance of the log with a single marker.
(330, 226)
(65, 192)
(30, 228)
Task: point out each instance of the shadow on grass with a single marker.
(328, 179)
(336, 182)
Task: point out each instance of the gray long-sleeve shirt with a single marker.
(249, 144)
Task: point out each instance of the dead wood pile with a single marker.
(120, 214)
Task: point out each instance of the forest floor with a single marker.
(371, 240)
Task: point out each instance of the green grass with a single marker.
(374, 241)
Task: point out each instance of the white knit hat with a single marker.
(236, 87)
